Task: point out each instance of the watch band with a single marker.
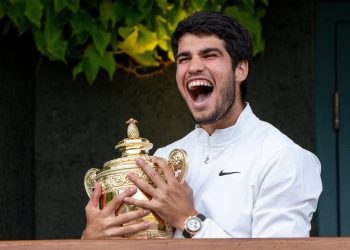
(186, 233)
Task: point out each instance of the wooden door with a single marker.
(332, 78)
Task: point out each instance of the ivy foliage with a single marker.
(110, 34)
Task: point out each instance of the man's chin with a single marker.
(204, 120)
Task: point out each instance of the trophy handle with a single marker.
(178, 161)
(89, 180)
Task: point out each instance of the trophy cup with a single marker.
(113, 179)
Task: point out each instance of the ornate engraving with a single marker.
(89, 180)
(178, 161)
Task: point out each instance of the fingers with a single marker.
(163, 164)
(129, 229)
(140, 203)
(95, 196)
(117, 201)
(129, 216)
(152, 174)
(145, 187)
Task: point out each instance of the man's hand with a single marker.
(170, 200)
(104, 224)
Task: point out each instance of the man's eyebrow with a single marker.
(185, 53)
(201, 52)
(208, 50)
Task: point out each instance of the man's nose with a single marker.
(196, 65)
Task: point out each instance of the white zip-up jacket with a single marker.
(250, 180)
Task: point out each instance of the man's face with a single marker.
(205, 77)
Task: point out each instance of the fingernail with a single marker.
(129, 175)
(126, 199)
(148, 223)
(132, 189)
(139, 160)
(146, 211)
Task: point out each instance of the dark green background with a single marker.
(53, 129)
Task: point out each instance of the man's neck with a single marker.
(227, 121)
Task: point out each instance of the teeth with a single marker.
(199, 83)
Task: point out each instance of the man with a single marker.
(246, 179)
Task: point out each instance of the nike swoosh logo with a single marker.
(222, 173)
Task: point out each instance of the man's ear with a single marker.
(241, 71)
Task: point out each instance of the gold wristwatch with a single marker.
(193, 224)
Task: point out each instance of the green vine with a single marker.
(132, 35)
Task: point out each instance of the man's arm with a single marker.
(288, 194)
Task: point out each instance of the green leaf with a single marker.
(124, 32)
(139, 41)
(133, 17)
(171, 56)
(146, 59)
(266, 2)
(101, 40)
(78, 69)
(198, 4)
(55, 43)
(92, 61)
(108, 63)
(81, 38)
(160, 28)
(162, 4)
(214, 5)
(73, 5)
(82, 21)
(53, 30)
(15, 13)
(174, 17)
(147, 39)
(106, 13)
(34, 11)
(40, 42)
(120, 9)
(145, 6)
(60, 5)
(251, 23)
(114, 41)
(162, 32)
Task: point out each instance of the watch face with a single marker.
(194, 224)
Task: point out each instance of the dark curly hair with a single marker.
(236, 38)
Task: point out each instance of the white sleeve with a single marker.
(288, 195)
(211, 230)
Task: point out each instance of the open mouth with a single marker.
(200, 90)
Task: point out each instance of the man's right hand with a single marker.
(104, 224)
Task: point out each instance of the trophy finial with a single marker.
(133, 131)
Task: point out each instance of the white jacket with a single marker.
(268, 186)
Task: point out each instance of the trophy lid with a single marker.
(134, 144)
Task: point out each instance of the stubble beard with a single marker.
(222, 108)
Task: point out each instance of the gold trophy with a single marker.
(113, 178)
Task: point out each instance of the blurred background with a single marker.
(53, 128)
